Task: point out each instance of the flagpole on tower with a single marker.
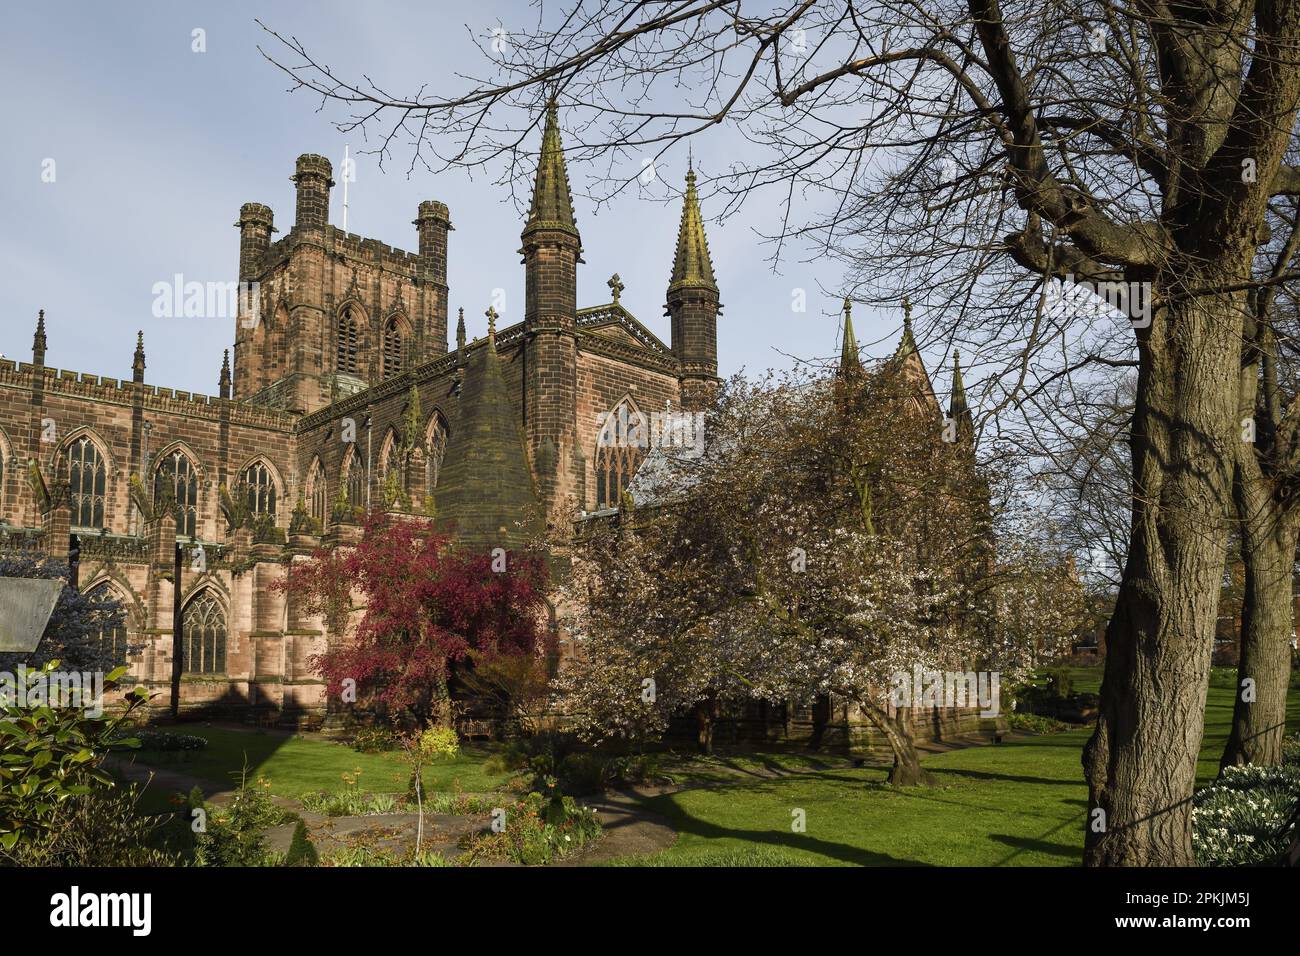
(346, 177)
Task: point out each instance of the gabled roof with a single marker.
(617, 322)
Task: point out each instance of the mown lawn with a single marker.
(298, 765)
(1020, 803)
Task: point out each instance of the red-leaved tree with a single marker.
(420, 606)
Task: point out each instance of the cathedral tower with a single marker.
(692, 303)
(552, 250)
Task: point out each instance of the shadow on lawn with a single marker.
(857, 856)
(1040, 843)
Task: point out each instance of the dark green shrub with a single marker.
(103, 828)
(165, 740)
(301, 851)
(374, 740)
(1060, 684)
(51, 754)
(234, 834)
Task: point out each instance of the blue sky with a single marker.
(155, 148)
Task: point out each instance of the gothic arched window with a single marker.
(394, 357)
(436, 442)
(87, 478)
(259, 489)
(111, 624)
(356, 482)
(203, 630)
(175, 476)
(349, 342)
(620, 446)
(316, 493)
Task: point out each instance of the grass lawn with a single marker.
(297, 765)
(1021, 803)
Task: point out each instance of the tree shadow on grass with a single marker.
(684, 822)
(1040, 844)
(1010, 777)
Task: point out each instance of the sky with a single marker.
(152, 147)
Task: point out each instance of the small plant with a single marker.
(538, 830)
(459, 804)
(301, 851)
(349, 803)
(423, 747)
(234, 834)
(374, 740)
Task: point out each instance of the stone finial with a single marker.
(850, 359)
(38, 340)
(616, 286)
(460, 330)
(491, 314)
(907, 345)
(224, 382)
(137, 364)
(958, 407)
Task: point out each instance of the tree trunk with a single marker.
(1268, 547)
(1141, 760)
(821, 716)
(907, 770)
(705, 713)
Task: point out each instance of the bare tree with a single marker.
(969, 156)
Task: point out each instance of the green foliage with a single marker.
(374, 740)
(234, 834)
(538, 830)
(372, 856)
(439, 743)
(395, 496)
(742, 857)
(1059, 683)
(104, 828)
(301, 851)
(1034, 724)
(459, 804)
(165, 741)
(1241, 819)
(349, 803)
(50, 755)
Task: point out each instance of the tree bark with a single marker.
(1141, 760)
(907, 770)
(705, 712)
(1268, 547)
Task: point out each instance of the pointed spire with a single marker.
(224, 382)
(850, 360)
(958, 407)
(460, 331)
(692, 265)
(137, 365)
(907, 344)
(38, 340)
(552, 206)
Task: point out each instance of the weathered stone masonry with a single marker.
(339, 358)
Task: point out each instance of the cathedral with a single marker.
(344, 393)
